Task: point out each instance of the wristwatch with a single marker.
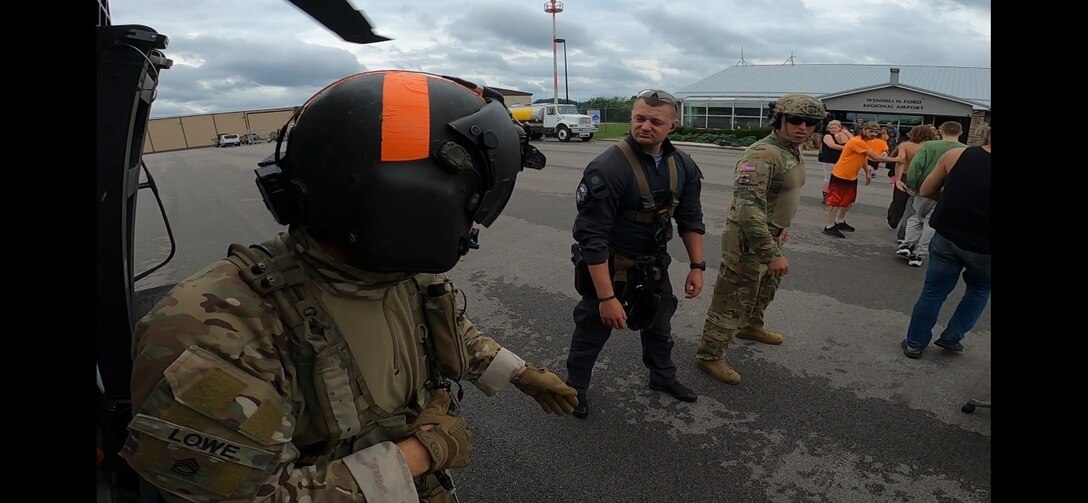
(699, 265)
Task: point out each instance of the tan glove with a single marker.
(548, 389)
(449, 441)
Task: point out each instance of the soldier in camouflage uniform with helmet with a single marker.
(767, 185)
(317, 366)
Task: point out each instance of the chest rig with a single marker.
(638, 281)
(328, 388)
(651, 212)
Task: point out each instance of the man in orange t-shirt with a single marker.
(842, 190)
(880, 146)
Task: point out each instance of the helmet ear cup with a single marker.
(454, 157)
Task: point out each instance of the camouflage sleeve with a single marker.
(214, 416)
(490, 365)
(751, 178)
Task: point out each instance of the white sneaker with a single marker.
(903, 251)
(914, 261)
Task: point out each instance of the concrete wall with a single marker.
(517, 101)
(233, 122)
(200, 130)
(166, 134)
(266, 121)
(196, 131)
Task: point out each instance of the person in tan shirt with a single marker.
(899, 211)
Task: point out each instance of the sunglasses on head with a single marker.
(661, 95)
(797, 121)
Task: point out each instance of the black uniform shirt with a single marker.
(608, 188)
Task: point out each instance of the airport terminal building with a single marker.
(905, 95)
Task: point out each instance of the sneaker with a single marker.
(843, 226)
(914, 261)
(951, 347)
(903, 251)
(911, 352)
(834, 231)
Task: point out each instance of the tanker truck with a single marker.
(560, 121)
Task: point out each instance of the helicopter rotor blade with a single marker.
(341, 18)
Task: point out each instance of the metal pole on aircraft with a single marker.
(553, 7)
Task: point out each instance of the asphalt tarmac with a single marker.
(837, 413)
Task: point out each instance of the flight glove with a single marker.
(554, 396)
(449, 441)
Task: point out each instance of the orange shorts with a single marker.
(841, 193)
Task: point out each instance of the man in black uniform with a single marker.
(626, 201)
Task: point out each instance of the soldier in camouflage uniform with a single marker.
(316, 366)
(767, 185)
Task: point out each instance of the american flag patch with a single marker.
(746, 166)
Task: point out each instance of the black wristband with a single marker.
(606, 299)
(699, 265)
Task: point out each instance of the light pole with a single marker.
(566, 83)
(552, 7)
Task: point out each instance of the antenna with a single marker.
(789, 61)
(742, 62)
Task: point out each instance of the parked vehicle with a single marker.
(560, 121)
(228, 140)
(251, 138)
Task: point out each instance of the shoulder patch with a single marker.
(746, 166)
(580, 194)
(594, 181)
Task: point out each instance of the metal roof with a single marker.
(759, 81)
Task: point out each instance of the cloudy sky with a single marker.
(250, 54)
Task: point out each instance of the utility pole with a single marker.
(552, 7)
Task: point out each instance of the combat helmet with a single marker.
(797, 105)
(396, 166)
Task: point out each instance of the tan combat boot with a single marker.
(718, 370)
(760, 335)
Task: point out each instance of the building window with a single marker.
(725, 114)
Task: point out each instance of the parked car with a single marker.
(228, 140)
(251, 138)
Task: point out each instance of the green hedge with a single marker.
(723, 137)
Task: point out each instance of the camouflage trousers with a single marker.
(742, 291)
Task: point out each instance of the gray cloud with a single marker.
(240, 54)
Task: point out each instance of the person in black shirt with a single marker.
(627, 199)
(961, 243)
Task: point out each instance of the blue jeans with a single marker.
(946, 260)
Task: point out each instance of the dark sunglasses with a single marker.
(797, 121)
(661, 95)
